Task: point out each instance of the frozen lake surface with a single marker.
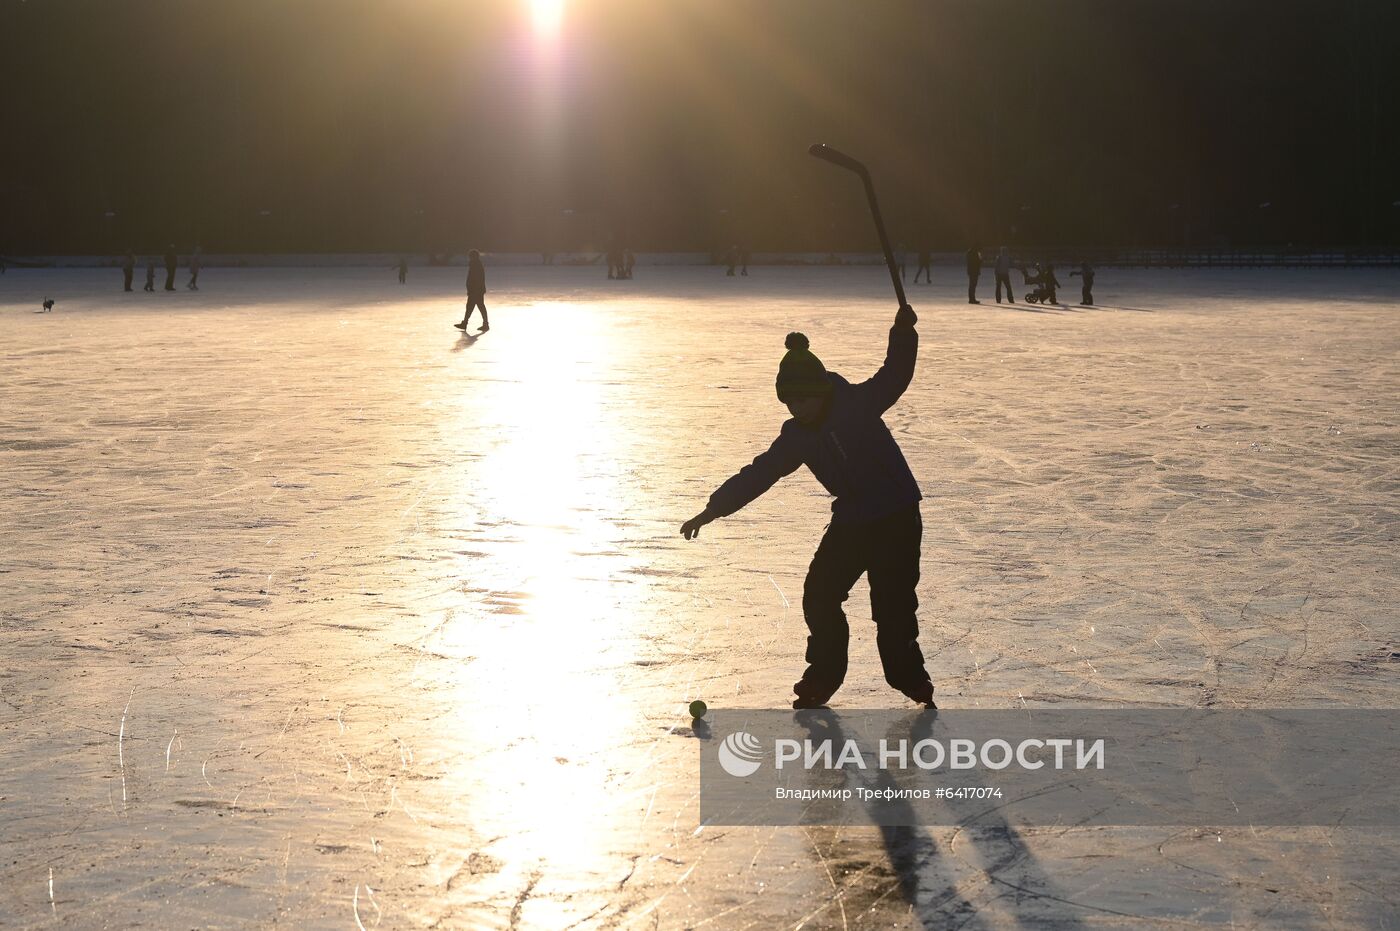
(315, 612)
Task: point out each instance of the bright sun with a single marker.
(547, 14)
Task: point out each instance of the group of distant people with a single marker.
(172, 262)
(621, 261)
(1042, 280)
(1039, 278)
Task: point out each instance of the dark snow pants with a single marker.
(887, 550)
(474, 302)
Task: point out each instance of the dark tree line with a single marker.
(310, 125)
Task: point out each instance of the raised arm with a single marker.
(748, 483)
(881, 390)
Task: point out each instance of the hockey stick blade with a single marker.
(827, 154)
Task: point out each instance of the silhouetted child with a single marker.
(836, 430)
(925, 260)
(1086, 287)
(476, 291)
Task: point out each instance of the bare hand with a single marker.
(691, 528)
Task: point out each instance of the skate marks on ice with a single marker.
(406, 635)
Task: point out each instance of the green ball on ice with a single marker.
(698, 709)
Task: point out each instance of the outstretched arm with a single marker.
(882, 389)
(748, 483)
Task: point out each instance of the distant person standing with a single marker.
(1049, 282)
(1086, 287)
(171, 261)
(925, 260)
(744, 261)
(629, 262)
(150, 273)
(974, 272)
(901, 256)
(128, 270)
(1003, 274)
(193, 284)
(476, 291)
(731, 259)
(403, 270)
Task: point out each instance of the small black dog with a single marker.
(48, 303)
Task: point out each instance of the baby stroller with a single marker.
(1040, 286)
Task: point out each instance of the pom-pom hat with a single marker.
(801, 374)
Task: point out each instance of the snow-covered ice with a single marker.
(316, 612)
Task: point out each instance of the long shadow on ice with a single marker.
(925, 873)
(1038, 309)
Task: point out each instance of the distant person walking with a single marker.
(731, 259)
(476, 291)
(171, 261)
(974, 272)
(1003, 274)
(403, 270)
(150, 273)
(629, 262)
(744, 261)
(1086, 287)
(901, 255)
(925, 260)
(128, 270)
(195, 260)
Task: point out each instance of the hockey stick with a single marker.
(827, 153)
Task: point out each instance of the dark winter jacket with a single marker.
(476, 280)
(851, 452)
(974, 263)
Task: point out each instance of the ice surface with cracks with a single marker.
(416, 605)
